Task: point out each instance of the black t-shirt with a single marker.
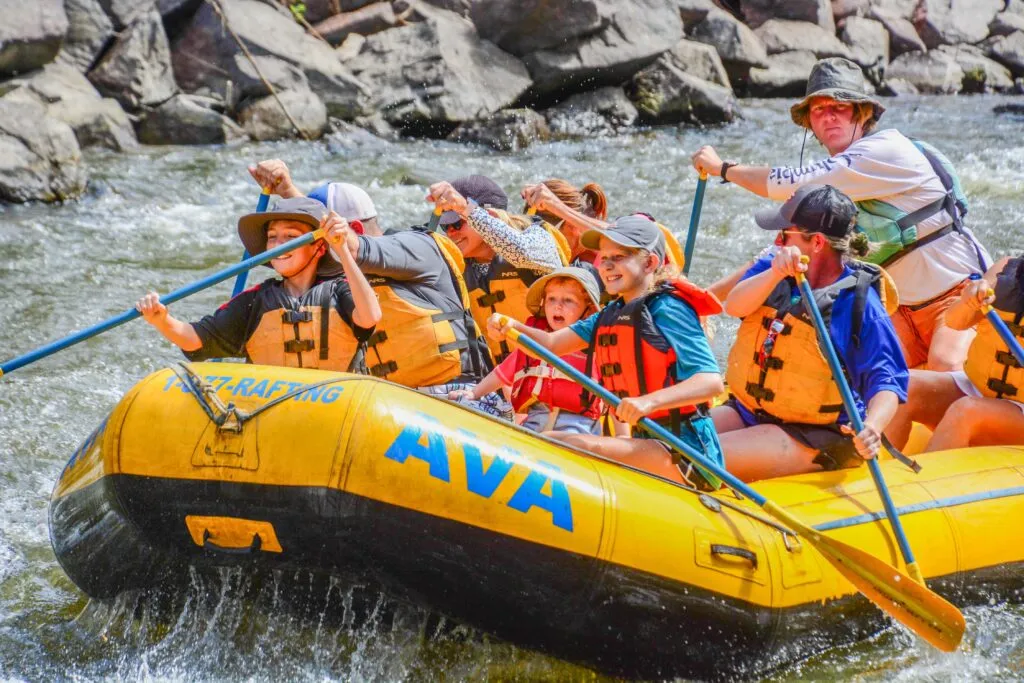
(225, 333)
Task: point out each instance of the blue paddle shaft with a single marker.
(653, 427)
(691, 235)
(1007, 336)
(261, 206)
(851, 410)
(176, 295)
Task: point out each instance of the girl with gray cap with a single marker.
(910, 205)
(646, 346)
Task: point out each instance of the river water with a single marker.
(162, 217)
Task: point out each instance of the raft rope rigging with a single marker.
(228, 417)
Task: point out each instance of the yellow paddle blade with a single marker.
(911, 603)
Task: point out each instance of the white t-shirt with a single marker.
(888, 166)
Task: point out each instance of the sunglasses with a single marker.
(457, 225)
(781, 239)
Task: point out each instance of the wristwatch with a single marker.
(726, 165)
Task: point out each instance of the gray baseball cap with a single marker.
(535, 295)
(635, 232)
(815, 208)
(252, 228)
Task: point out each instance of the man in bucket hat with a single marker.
(309, 319)
(909, 204)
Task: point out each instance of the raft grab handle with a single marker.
(722, 549)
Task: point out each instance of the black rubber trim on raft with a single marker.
(616, 619)
(952, 501)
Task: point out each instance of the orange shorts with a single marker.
(916, 325)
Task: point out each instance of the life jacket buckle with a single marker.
(607, 339)
(1002, 388)
(1008, 359)
(294, 317)
(378, 337)
(299, 345)
(384, 369)
(760, 393)
(611, 369)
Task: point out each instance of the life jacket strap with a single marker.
(611, 369)
(378, 337)
(384, 369)
(1008, 359)
(291, 317)
(488, 300)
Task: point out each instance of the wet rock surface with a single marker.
(39, 156)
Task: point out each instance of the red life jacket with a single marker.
(633, 357)
(537, 382)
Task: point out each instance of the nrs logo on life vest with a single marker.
(418, 440)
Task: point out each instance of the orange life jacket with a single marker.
(990, 366)
(538, 382)
(310, 334)
(504, 291)
(632, 356)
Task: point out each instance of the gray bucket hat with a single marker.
(252, 228)
(839, 79)
(535, 295)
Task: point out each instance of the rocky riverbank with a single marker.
(119, 73)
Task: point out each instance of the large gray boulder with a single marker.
(39, 155)
(757, 12)
(89, 32)
(364, 21)
(631, 36)
(981, 74)
(264, 119)
(602, 112)
(137, 71)
(69, 97)
(187, 120)
(506, 131)
(1009, 51)
(868, 41)
(266, 31)
(697, 59)
(903, 36)
(786, 75)
(664, 93)
(782, 35)
(437, 73)
(30, 34)
(932, 72)
(942, 22)
(737, 45)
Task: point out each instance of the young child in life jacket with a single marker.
(310, 319)
(549, 399)
(646, 346)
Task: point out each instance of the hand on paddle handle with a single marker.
(868, 442)
(153, 312)
(630, 410)
(978, 295)
(707, 161)
(447, 198)
(541, 198)
(337, 231)
(498, 326)
(788, 262)
(274, 177)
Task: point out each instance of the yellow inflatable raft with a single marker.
(548, 547)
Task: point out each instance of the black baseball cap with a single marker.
(815, 208)
(635, 232)
(481, 190)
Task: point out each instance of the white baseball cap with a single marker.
(348, 201)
